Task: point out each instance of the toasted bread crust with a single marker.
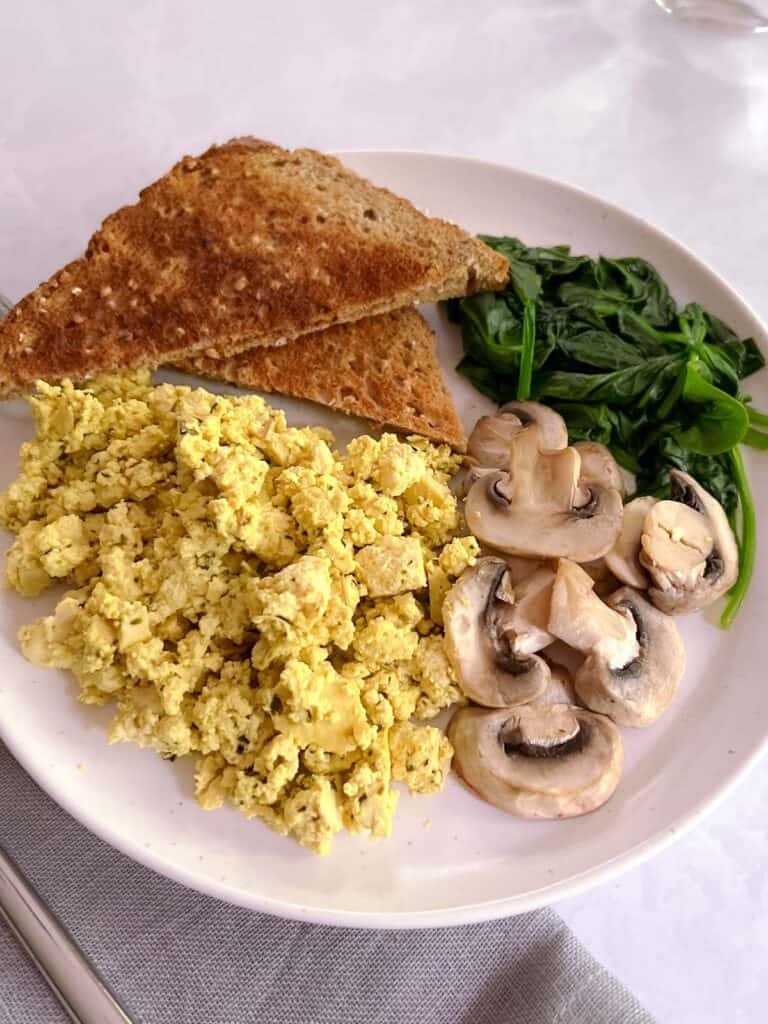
(247, 245)
(383, 368)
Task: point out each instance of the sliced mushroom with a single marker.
(623, 559)
(531, 510)
(480, 639)
(688, 548)
(605, 581)
(559, 655)
(519, 569)
(554, 761)
(530, 612)
(637, 693)
(488, 444)
(559, 689)
(554, 433)
(471, 476)
(579, 618)
(598, 466)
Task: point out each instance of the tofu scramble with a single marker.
(245, 593)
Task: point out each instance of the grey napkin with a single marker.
(173, 956)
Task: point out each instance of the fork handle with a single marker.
(72, 978)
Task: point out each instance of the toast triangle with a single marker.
(248, 244)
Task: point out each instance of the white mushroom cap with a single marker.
(598, 466)
(584, 622)
(623, 559)
(639, 692)
(688, 548)
(553, 431)
(488, 444)
(531, 510)
(481, 640)
(553, 761)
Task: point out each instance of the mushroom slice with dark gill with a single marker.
(554, 761)
(623, 560)
(638, 692)
(688, 548)
(482, 644)
(532, 511)
(471, 475)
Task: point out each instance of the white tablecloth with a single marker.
(669, 121)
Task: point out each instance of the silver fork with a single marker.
(73, 979)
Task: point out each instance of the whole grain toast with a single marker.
(248, 244)
(383, 368)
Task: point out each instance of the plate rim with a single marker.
(471, 912)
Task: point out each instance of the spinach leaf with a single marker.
(721, 421)
(555, 261)
(645, 383)
(492, 331)
(722, 370)
(600, 349)
(746, 356)
(642, 284)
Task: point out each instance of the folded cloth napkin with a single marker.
(173, 956)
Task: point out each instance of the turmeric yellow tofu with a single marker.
(244, 593)
(391, 566)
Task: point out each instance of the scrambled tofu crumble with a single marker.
(245, 593)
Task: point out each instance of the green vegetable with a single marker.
(526, 284)
(721, 422)
(604, 343)
(755, 439)
(747, 541)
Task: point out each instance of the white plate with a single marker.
(452, 859)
